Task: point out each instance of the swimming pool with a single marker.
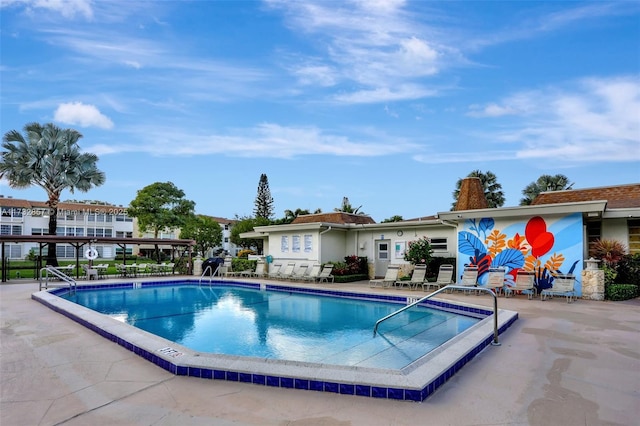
(280, 325)
(414, 378)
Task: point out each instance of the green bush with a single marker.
(350, 278)
(242, 264)
(618, 292)
(419, 251)
(629, 269)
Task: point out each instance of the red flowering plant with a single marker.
(419, 251)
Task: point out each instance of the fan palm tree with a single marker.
(543, 184)
(492, 189)
(49, 157)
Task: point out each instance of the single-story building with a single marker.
(553, 235)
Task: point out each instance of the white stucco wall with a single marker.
(616, 229)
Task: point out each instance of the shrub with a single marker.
(609, 251)
(610, 274)
(239, 264)
(618, 292)
(419, 251)
(628, 269)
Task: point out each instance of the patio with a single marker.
(560, 363)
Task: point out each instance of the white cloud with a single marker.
(267, 140)
(67, 8)
(591, 120)
(83, 115)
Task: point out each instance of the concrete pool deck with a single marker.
(559, 364)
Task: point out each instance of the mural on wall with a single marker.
(544, 246)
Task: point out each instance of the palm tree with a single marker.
(49, 157)
(492, 189)
(348, 208)
(544, 183)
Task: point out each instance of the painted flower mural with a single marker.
(532, 246)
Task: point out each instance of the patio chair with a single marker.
(390, 277)
(445, 277)
(469, 277)
(525, 284)
(299, 273)
(259, 271)
(563, 285)
(286, 272)
(417, 278)
(325, 275)
(90, 272)
(274, 269)
(312, 275)
(495, 279)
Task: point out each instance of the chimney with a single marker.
(471, 195)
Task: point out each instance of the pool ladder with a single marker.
(50, 270)
(213, 273)
(450, 287)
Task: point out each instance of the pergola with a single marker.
(79, 242)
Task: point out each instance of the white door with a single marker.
(383, 256)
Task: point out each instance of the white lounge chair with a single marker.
(274, 270)
(495, 279)
(469, 278)
(258, 272)
(325, 275)
(300, 272)
(390, 277)
(563, 285)
(445, 277)
(312, 275)
(286, 272)
(525, 284)
(417, 278)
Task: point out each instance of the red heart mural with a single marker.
(539, 239)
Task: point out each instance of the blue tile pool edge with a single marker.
(416, 383)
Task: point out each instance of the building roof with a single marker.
(334, 217)
(617, 197)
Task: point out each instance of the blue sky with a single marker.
(388, 103)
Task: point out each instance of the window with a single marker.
(284, 244)
(10, 230)
(65, 251)
(39, 231)
(308, 243)
(295, 243)
(634, 236)
(122, 234)
(123, 218)
(226, 227)
(594, 232)
(439, 244)
(226, 239)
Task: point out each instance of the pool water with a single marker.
(279, 324)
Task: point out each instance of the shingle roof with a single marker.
(335, 217)
(617, 197)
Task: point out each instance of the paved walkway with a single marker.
(559, 364)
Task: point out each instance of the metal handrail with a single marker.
(208, 268)
(58, 274)
(452, 287)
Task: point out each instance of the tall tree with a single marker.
(543, 184)
(247, 224)
(49, 157)
(346, 207)
(160, 206)
(492, 189)
(206, 232)
(264, 200)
